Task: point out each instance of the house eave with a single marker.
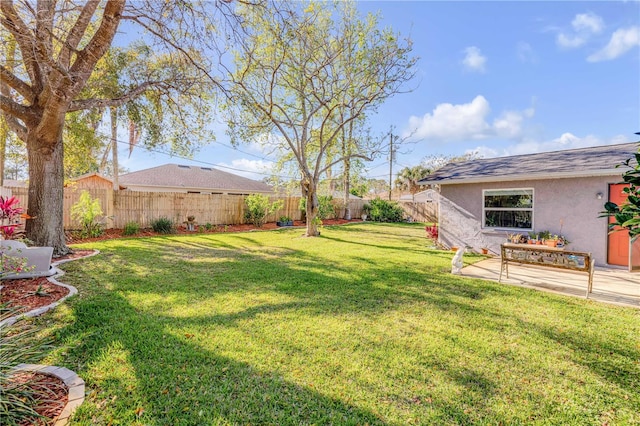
(528, 176)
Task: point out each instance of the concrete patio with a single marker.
(615, 286)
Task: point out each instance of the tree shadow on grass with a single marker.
(203, 386)
(170, 379)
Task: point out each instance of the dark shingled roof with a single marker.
(193, 177)
(582, 162)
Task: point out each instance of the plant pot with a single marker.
(551, 243)
(485, 250)
(454, 248)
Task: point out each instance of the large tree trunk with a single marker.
(46, 183)
(309, 190)
(347, 188)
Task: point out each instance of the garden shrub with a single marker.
(88, 211)
(258, 207)
(385, 211)
(162, 225)
(131, 228)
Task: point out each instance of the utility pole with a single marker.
(391, 158)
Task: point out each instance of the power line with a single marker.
(182, 157)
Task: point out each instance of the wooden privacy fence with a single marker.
(122, 207)
(420, 211)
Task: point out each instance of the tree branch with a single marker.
(70, 45)
(19, 129)
(8, 78)
(82, 104)
(11, 108)
(25, 39)
(87, 58)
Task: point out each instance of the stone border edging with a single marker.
(52, 279)
(73, 382)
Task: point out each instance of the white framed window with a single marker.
(507, 208)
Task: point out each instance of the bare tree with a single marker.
(304, 72)
(58, 45)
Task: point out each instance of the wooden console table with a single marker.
(552, 257)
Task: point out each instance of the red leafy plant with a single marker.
(432, 232)
(10, 214)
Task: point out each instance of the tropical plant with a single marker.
(627, 215)
(9, 213)
(258, 207)
(432, 232)
(88, 212)
(407, 179)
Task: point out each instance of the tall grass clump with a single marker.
(162, 225)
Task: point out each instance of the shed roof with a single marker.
(581, 162)
(194, 177)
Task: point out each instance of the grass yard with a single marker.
(363, 325)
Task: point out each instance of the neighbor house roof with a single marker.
(174, 176)
(582, 162)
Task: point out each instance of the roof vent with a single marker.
(206, 168)
(183, 167)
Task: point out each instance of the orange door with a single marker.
(618, 252)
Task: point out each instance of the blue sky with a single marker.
(500, 78)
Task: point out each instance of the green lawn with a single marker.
(363, 325)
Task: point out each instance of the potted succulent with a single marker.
(284, 221)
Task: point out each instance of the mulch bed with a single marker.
(50, 392)
(26, 294)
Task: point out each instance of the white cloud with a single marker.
(589, 22)
(252, 169)
(621, 42)
(564, 141)
(448, 122)
(525, 53)
(474, 60)
(584, 26)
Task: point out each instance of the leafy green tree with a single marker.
(58, 46)
(627, 216)
(292, 80)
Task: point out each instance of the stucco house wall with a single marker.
(569, 206)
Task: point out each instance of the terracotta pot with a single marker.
(551, 243)
(485, 251)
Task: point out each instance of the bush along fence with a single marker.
(120, 208)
